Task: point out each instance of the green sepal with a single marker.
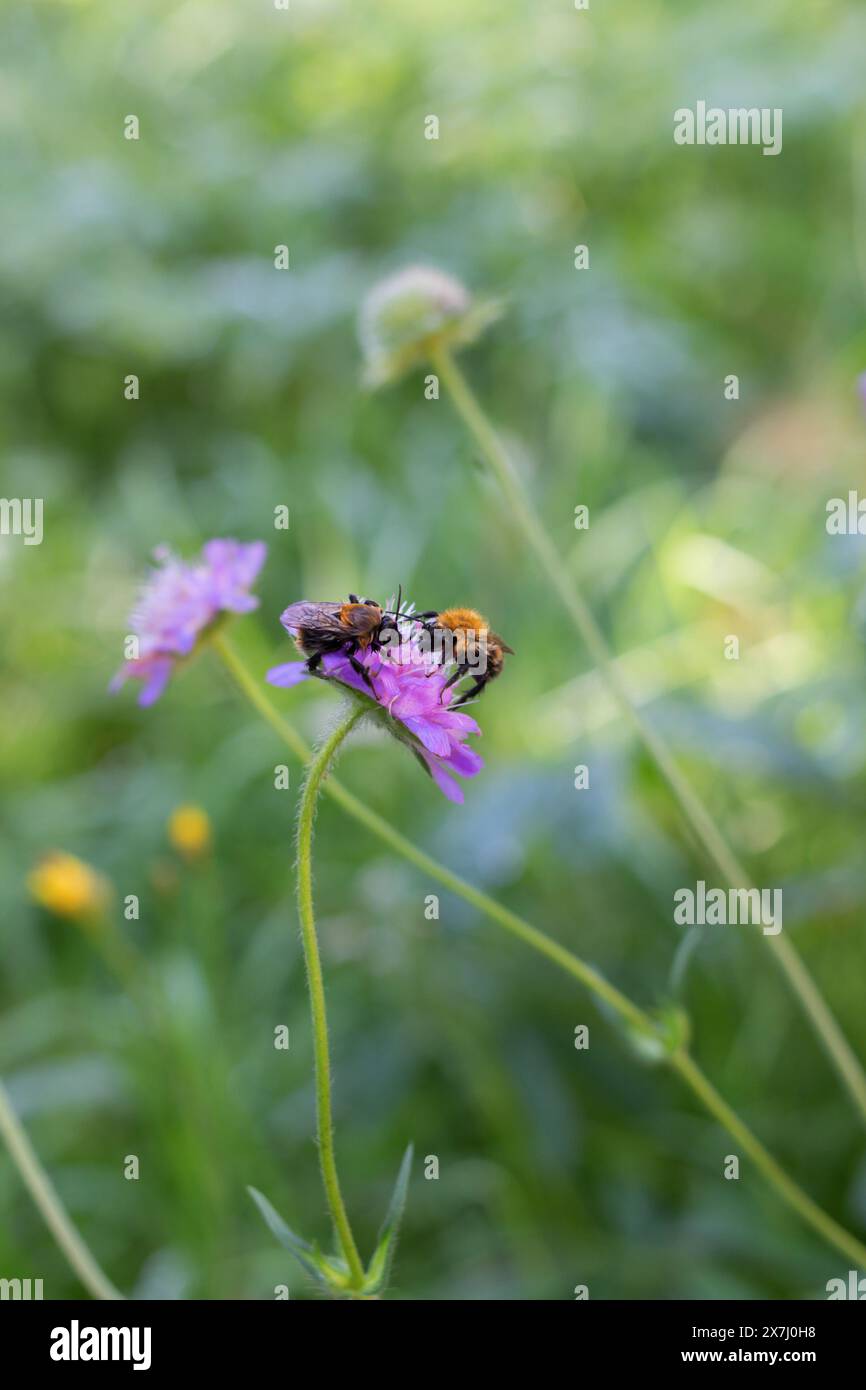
(670, 1032)
(379, 1268)
(333, 1272)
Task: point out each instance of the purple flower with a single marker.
(410, 695)
(861, 386)
(179, 601)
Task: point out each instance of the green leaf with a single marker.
(379, 1267)
(308, 1256)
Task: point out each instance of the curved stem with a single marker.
(44, 1194)
(580, 970)
(775, 1174)
(324, 1120)
(814, 1005)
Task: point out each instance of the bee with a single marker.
(320, 628)
(470, 634)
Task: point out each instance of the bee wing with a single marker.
(305, 613)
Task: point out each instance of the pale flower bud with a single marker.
(406, 317)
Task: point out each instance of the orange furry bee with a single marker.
(470, 637)
(320, 628)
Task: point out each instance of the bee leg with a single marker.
(452, 679)
(360, 670)
(313, 662)
(470, 694)
(430, 629)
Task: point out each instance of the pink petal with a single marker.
(445, 783)
(453, 719)
(156, 681)
(434, 739)
(292, 673)
(464, 760)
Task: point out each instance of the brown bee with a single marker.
(470, 637)
(320, 628)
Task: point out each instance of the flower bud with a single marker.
(189, 831)
(410, 314)
(669, 1032)
(68, 887)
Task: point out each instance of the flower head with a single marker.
(405, 317)
(189, 831)
(68, 887)
(179, 601)
(409, 695)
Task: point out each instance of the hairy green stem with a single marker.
(565, 585)
(318, 771)
(631, 1014)
(44, 1194)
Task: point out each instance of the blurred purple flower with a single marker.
(179, 601)
(861, 387)
(410, 692)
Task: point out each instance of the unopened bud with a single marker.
(406, 317)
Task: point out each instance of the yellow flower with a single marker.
(189, 831)
(67, 886)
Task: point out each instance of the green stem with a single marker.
(537, 940)
(44, 1194)
(565, 585)
(316, 775)
(252, 689)
(775, 1174)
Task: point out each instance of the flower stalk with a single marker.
(640, 1023)
(696, 813)
(318, 771)
(47, 1200)
(786, 1188)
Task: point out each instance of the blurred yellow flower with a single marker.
(189, 831)
(67, 886)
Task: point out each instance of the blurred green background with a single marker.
(261, 127)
